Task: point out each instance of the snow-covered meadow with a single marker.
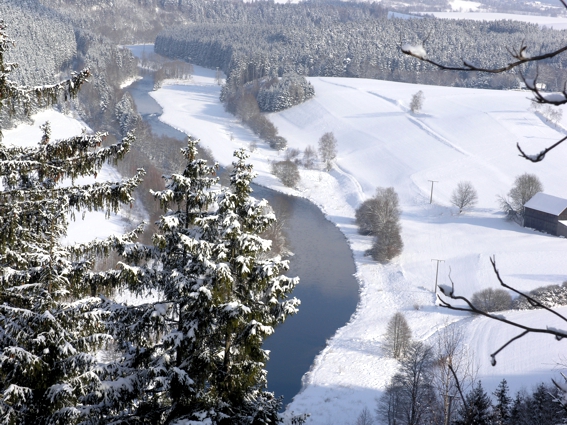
(461, 134)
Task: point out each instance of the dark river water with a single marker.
(322, 259)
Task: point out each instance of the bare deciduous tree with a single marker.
(398, 336)
(365, 418)
(409, 397)
(328, 149)
(287, 172)
(309, 157)
(525, 187)
(454, 372)
(417, 101)
(464, 196)
(492, 300)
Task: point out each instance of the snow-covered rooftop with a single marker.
(547, 203)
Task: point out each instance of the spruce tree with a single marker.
(201, 345)
(477, 409)
(51, 322)
(501, 410)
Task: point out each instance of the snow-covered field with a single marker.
(558, 23)
(461, 134)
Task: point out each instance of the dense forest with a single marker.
(364, 43)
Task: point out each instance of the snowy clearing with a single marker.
(461, 134)
(557, 23)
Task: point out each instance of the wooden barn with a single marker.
(547, 214)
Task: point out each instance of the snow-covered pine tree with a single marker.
(501, 410)
(219, 301)
(253, 303)
(478, 408)
(50, 324)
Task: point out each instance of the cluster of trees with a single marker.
(436, 384)
(50, 45)
(379, 216)
(279, 94)
(176, 69)
(431, 381)
(365, 44)
(240, 98)
(194, 352)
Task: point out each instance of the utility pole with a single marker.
(431, 196)
(436, 274)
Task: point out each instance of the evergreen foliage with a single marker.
(291, 90)
(478, 408)
(199, 349)
(316, 39)
(501, 410)
(51, 320)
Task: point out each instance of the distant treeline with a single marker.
(358, 40)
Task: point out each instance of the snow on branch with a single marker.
(469, 307)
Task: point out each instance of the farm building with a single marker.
(547, 214)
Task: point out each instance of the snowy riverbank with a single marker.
(461, 134)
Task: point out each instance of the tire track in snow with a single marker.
(421, 125)
(355, 196)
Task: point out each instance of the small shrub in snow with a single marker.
(287, 172)
(252, 146)
(417, 101)
(491, 300)
(292, 154)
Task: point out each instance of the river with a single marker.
(322, 259)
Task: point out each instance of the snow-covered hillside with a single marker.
(461, 134)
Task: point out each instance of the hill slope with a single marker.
(461, 134)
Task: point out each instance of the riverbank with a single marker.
(461, 135)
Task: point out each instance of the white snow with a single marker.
(417, 51)
(558, 23)
(464, 5)
(547, 203)
(460, 134)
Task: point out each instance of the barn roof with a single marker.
(547, 203)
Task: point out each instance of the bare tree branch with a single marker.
(520, 55)
(450, 293)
